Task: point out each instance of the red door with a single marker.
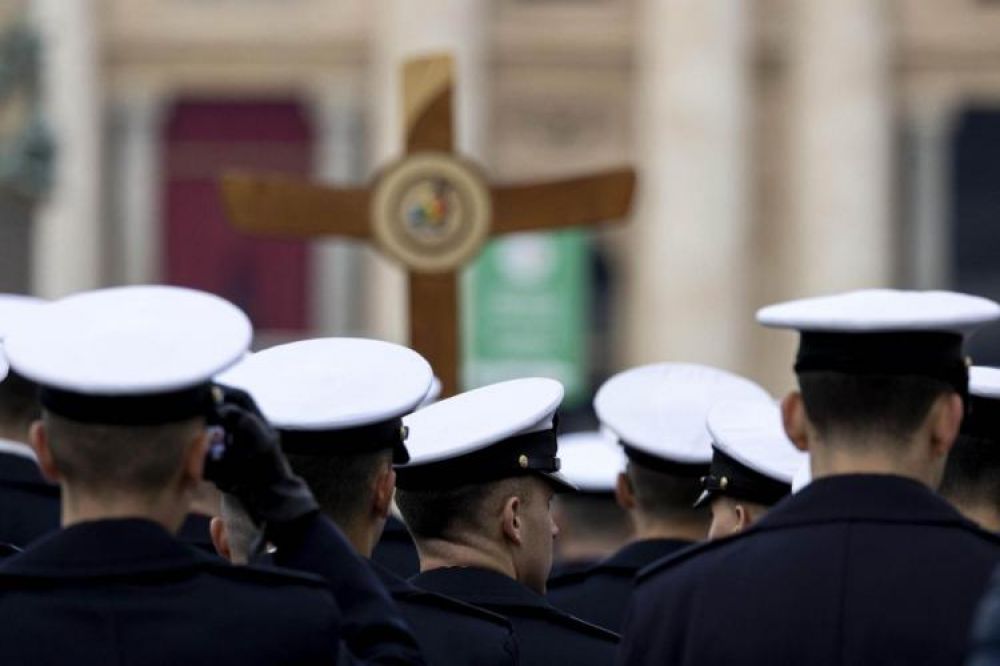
(269, 279)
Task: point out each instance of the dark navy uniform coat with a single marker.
(560, 569)
(449, 632)
(985, 647)
(127, 592)
(601, 593)
(395, 550)
(29, 505)
(196, 531)
(852, 571)
(545, 635)
(373, 629)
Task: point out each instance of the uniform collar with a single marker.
(480, 587)
(865, 497)
(104, 547)
(395, 585)
(627, 561)
(638, 554)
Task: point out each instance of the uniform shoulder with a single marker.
(458, 610)
(607, 567)
(568, 579)
(697, 552)
(582, 627)
(266, 576)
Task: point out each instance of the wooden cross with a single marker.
(432, 210)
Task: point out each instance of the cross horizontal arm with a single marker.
(558, 204)
(286, 206)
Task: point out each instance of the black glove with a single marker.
(251, 467)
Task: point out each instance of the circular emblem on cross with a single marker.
(432, 211)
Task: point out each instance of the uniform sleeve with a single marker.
(372, 630)
(984, 649)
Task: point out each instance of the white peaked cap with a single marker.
(129, 340)
(803, 475)
(433, 393)
(332, 383)
(872, 310)
(752, 433)
(13, 308)
(591, 460)
(493, 432)
(984, 382)
(661, 409)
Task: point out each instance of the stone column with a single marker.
(685, 272)
(839, 167)
(136, 121)
(337, 263)
(68, 230)
(405, 28)
(929, 247)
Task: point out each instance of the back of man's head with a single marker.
(457, 513)
(111, 460)
(868, 408)
(18, 407)
(662, 497)
(972, 475)
(591, 526)
(344, 485)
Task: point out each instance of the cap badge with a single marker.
(404, 432)
(724, 482)
(522, 460)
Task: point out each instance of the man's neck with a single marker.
(586, 550)
(438, 553)
(871, 457)
(647, 529)
(81, 508)
(983, 514)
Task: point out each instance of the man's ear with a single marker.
(742, 518)
(625, 492)
(793, 416)
(511, 520)
(385, 484)
(39, 439)
(945, 421)
(220, 538)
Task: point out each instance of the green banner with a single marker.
(525, 311)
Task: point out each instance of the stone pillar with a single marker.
(337, 263)
(136, 122)
(839, 167)
(68, 230)
(930, 134)
(685, 272)
(405, 28)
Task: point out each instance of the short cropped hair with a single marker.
(665, 496)
(18, 402)
(854, 407)
(972, 474)
(445, 514)
(110, 459)
(343, 485)
(589, 515)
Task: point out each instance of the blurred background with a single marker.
(785, 148)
